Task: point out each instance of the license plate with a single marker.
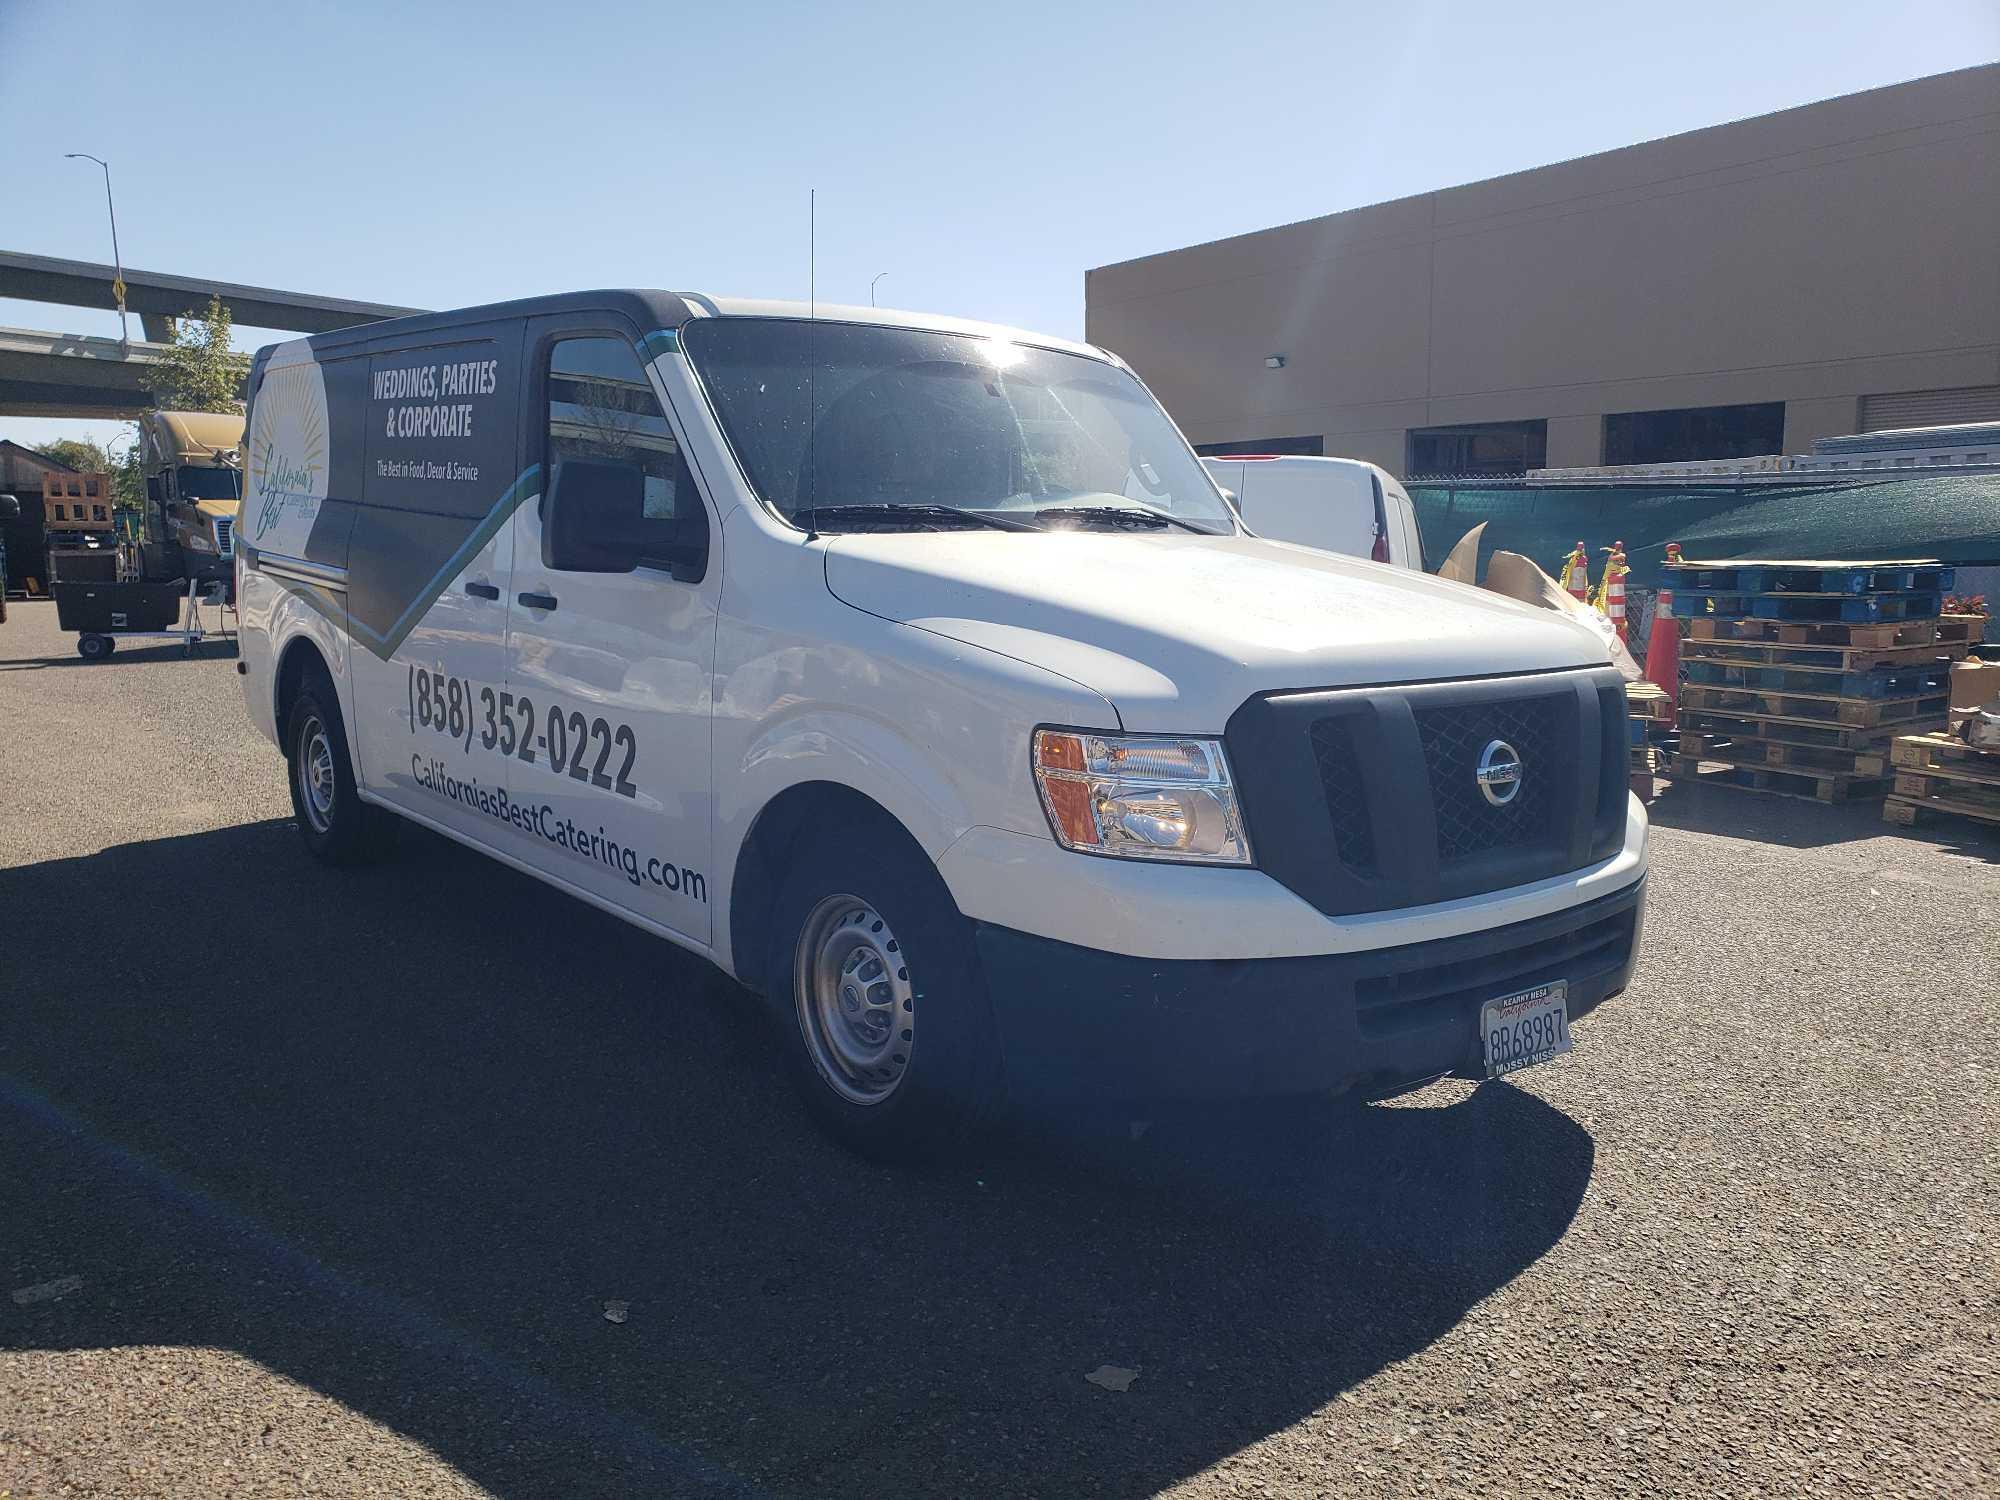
(1521, 1030)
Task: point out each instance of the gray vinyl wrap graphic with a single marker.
(410, 448)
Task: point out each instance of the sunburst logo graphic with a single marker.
(287, 468)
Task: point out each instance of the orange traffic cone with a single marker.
(1663, 643)
(1576, 573)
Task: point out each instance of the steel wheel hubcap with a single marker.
(851, 984)
(316, 775)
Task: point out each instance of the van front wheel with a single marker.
(338, 827)
(879, 999)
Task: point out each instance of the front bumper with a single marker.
(1076, 1019)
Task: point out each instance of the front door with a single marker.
(611, 633)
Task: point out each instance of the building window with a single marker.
(1694, 432)
(1291, 447)
(1497, 449)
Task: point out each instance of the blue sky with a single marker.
(984, 156)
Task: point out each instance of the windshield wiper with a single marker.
(1120, 515)
(931, 516)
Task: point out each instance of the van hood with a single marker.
(1178, 630)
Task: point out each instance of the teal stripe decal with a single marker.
(503, 510)
(660, 341)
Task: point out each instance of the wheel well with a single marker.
(300, 657)
(778, 830)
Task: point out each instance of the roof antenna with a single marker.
(812, 362)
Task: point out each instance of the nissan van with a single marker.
(916, 673)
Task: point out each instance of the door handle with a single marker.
(537, 601)
(483, 590)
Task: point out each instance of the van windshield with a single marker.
(866, 426)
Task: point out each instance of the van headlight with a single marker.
(1140, 796)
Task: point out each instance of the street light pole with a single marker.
(871, 286)
(117, 264)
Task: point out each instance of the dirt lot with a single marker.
(319, 1183)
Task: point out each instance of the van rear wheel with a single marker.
(338, 827)
(881, 1007)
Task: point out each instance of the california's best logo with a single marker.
(288, 458)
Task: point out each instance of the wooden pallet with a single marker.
(1969, 630)
(1946, 755)
(1799, 633)
(1645, 758)
(1805, 577)
(1649, 703)
(1750, 750)
(1791, 732)
(1907, 681)
(1859, 609)
(1907, 811)
(1815, 708)
(1804, 782)
(1805, 657)
(1979, 791)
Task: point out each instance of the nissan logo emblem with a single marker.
(1499, 773)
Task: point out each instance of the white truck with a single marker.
(916, 673)
(1335, 504)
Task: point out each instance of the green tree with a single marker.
(198, 371)
(81, 454)
(128, 475)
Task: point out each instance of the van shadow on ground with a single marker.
(398, 1134)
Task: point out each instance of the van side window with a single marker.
(620, 494)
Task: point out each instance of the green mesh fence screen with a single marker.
(1952, 517)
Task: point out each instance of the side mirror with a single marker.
(591, 508)
(153, 489)
(597, 523)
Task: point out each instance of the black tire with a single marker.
(338, 827)
(93, 647)
(948, 1089)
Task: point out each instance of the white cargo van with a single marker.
(915, 672)
(1334, 504)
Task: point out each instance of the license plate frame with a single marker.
(1513, 1034)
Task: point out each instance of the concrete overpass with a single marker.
(69, 375)
(73, 375)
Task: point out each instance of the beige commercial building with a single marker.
(1738, 290)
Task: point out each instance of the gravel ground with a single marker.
(318, 1183)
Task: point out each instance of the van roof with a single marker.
(650, 309)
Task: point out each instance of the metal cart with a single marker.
(104, 614)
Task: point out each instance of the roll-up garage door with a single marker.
(1969, 403)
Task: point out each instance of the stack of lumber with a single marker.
(1936, 773)
(1649, 711)
(1798, 674)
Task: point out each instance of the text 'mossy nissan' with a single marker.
(916, 673)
